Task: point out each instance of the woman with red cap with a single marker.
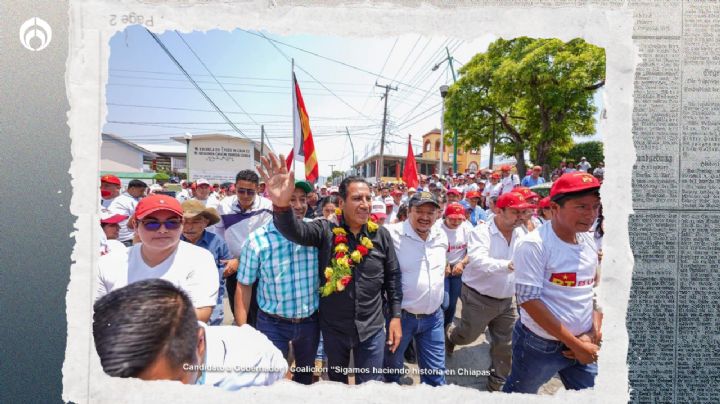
(458, 231)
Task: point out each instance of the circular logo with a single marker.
(35, 34)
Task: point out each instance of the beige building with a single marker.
(467, 160)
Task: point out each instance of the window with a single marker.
(427, 146)
(437, 145)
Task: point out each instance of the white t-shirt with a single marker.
(457, 241)
(566, 274)
(105, 203)
(235, 224)
(508, 183)
(492, 190)
(191, 268)
(211, 202)
(422, 263)
(124, 204)
(183, 195)
(238, 357)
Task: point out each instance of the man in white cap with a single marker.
(584, 165)
(378, 212)
(184, 193)
(204, 194)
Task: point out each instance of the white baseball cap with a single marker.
(378, 208)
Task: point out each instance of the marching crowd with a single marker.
(314, 275)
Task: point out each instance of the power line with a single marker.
(237, 104)
(427, 93)
(333, 94)
(313, 77)
(402, 65)
(321, 56)
(230, 84)
(177, 63)
(345, 83)
(350, 118)
(387, 58)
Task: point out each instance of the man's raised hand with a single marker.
(279, 183)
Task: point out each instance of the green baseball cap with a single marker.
(304, 185)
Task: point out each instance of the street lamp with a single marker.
(449, 59)
(443, 93)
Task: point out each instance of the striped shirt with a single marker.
(287, 273)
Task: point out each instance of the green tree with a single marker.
(527, 94)
(593, 151)
(335, 174)
(162, 177)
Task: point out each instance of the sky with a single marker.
(247, 75)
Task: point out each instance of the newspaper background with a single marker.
(672, 351)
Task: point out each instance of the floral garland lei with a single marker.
(339, 273)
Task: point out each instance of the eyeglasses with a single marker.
(154, 225)
(245, 191)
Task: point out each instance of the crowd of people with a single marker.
(314, 274)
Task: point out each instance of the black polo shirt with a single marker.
(358, 308)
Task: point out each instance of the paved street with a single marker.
(473, 357)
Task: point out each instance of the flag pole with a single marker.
(294, 102)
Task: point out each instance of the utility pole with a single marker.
(332, 171)
(262, 140)
(387, 88)
(351, 147)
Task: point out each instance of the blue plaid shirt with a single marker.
(288, 273)
(216, 245)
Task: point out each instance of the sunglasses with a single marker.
(245, 191)
(154, 225)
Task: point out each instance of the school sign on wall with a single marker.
(218, 157)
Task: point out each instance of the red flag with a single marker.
(289, 159)
(410, 174)
(304, 147)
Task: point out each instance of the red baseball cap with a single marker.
(495, 176)
(155, 203)
(396, 192)
(472, 194)
(110, 179)
(544, 203)
(108, 217)
(454, 191)
(526, 192)
(505, 168)
(455, 211)
(513, 200)
(573, 182)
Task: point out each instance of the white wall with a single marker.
(116, 156)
